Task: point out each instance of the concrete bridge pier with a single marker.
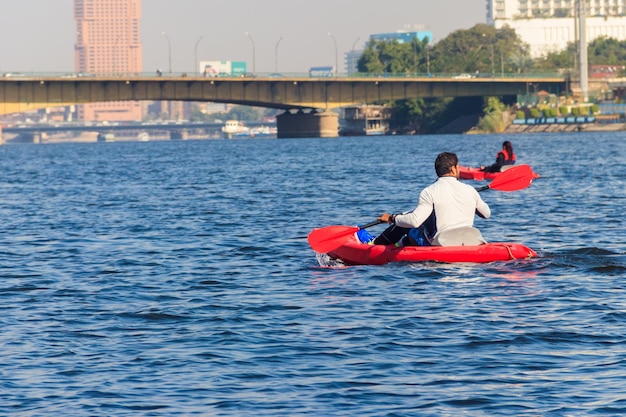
(35, 137)
(308, 125)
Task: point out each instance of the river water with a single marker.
(174, 278)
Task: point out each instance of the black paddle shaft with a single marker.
(370, 224)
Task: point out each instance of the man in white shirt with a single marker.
(444, 205)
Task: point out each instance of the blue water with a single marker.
(174, 278)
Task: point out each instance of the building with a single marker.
(402, 36)
(548, 25)
(108, 43)
(352, 60)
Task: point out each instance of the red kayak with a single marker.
(340, 242)
(353, 252)
(468, 173)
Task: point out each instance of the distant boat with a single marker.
(365, 120)
(263, 132)
(374, 130)
(234, 128)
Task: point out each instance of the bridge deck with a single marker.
(19, 94)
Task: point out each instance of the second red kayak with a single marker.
(468, 173)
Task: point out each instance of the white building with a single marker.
(548, 25)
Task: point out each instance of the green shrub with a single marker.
(520, 114)
(491, 123)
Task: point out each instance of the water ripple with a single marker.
(174, 278)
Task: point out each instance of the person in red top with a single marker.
(505, 157)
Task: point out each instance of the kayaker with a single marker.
(505, 156)
(444, 205)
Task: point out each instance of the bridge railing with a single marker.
(31, 74)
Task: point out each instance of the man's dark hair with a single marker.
(444, 163)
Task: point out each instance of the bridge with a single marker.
(35, 132)
(307, 101)
(112, 127)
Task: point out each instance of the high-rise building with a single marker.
(548, 25)
(402, 36)
(108, 43)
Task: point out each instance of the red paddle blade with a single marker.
(326, 239)
(513, 179)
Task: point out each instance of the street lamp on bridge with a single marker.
(195, 54)
(336, 53)
(253, 53)
(276, 55)
(169, 50)
(492, 53)
(353, 62)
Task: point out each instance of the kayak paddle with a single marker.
(326, 239)
(513, 179)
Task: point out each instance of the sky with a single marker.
(288, 35)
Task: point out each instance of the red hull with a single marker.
(468, 173)
(357, 253)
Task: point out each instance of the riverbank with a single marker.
(550, 128)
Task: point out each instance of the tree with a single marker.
(607, 51)
(245, 113)
(600, 51)
(480, 48)
(391, 57)
(492, 120)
